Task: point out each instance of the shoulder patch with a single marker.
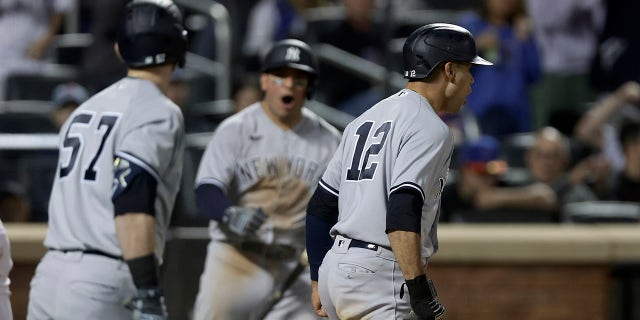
(122, 170)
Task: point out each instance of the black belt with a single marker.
(364, 245)
(88, 251)
(270, 251)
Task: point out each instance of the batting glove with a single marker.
(148, 304)
(243, 221)
(422, 294)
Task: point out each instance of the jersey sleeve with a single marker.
(332, 176)
(422, 154)
(219, 158)
(155, 145)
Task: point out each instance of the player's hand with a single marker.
(424, 300)
(315, 300)
(243, 221)
(148, 304)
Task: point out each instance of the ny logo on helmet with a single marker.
(292, 54)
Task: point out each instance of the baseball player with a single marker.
(379, 197)
(5, 267)
(116, 183)
(254, 181)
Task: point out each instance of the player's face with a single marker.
(285, 92)
(459, 87)
(545, 159)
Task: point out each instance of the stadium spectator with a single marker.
(626, 183)
(30, 27)
(66, 97)
(566, 34)
(270, 21)
(479, 194)
(500, 97)
(548, 161)
(599, 126)
(484, 191)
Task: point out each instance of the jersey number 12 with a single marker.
(75, 143)
(359, 171)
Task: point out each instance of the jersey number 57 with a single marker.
(74, 141)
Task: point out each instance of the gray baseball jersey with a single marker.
(6, 264)
(131, 120)
(258, 164)
(400, 142)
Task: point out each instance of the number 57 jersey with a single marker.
(398, 144)
(131, 121)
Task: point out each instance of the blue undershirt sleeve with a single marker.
(322, 214)
(211, 201)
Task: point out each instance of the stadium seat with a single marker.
(30, 86)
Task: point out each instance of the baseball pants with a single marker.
(362, 283)
(235, 285)
(5, 302)
(76, 285)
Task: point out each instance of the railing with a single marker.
(220, 68)
(355, 65)
(38, 141)
(358, 66)
(49, 141)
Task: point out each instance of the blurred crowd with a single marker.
(555, 121)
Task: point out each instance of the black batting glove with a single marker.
(148, 304)
(423, 296)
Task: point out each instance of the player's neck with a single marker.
(285, 122)
(158, 75)
(432, 92)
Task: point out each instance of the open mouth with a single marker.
(287, 99)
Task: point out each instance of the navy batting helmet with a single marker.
(434, 43)
(292, 53)
(151, 33)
